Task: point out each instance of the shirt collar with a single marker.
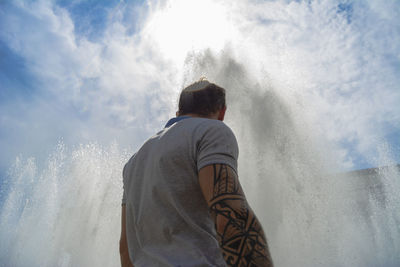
(176, 119)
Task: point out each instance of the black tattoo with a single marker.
(239, 232)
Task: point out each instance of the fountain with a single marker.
(68, 213)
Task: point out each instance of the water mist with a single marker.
(313, 215)
(68, 213)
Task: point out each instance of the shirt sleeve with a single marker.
(217, 145)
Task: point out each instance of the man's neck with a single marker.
(213, 116)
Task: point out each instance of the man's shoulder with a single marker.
(210, 131)
(205, 124)
(215, 126)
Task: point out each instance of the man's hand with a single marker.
(123, 242)
(240, 235)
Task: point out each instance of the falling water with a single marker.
(68, 212)
(313, 217)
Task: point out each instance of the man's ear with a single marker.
(221, 114)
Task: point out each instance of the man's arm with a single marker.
(123, 242)
(240, 235)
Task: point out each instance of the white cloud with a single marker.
(115, 88)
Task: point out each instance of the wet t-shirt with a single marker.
(167, 218)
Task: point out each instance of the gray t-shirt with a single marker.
(167, 218)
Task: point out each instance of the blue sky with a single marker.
(100, 71)
(23, 90)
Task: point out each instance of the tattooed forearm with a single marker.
(239, 232)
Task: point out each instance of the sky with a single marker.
(110, 71)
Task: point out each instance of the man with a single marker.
(183, 204)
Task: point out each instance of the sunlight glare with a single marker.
(184, 26)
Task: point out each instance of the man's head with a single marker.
(202, 99)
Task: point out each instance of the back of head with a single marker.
(202, 98)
